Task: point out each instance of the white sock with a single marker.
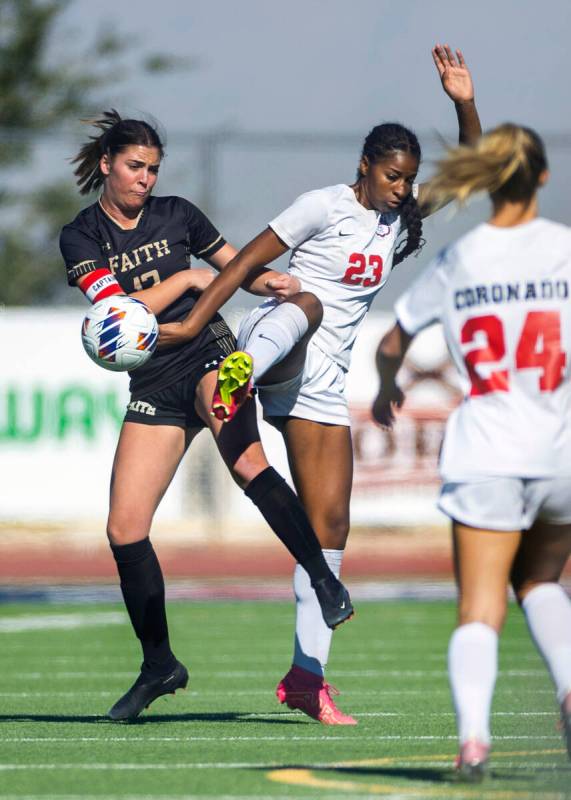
(472, 670)
(547, 610)
(312, 636)
(275, 335)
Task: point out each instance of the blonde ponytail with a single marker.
(506, 162)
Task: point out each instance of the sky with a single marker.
(316, 65)
(326, 69)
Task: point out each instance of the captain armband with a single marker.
(99, 284)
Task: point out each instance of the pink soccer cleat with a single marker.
(472, 761)
(234, 385)
(309, 693)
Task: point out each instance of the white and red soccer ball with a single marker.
(119, 333)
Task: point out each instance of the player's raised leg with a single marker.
(270, 351)
(240, 446)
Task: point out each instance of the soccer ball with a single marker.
(119, 333)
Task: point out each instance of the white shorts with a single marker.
(507, 504)
(317, 393)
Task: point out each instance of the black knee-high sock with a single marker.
(282, 510)
(143, 590)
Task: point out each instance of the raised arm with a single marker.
(244, 268)
(458, 85)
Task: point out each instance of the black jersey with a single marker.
(169, 231)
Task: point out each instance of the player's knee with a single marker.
(491, 614)
(311, 306)
(334, 530)
(120, 534)
(522, 587)
(247, 467)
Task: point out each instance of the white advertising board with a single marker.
(60, 416)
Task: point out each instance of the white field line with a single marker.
(319, 738)
(342, 796)
(262, 715)
(48, 674)
(44, 622)
(338, 673)
(198, 672)
(385, 651)
(258, 692)
(259, 659)
(168, 797)
(140, 767)
(367, 673)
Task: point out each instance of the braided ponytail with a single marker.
(116, 134)
(412, 221)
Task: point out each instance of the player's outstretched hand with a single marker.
(454, 74)
(283, 286)
(385, 405)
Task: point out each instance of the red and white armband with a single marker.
(99, 284)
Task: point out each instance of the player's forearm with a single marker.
(214, 297)
(161, 295)
(391, 352)
(266, 247)
(387, 367)
(255, 283)
(469, 127)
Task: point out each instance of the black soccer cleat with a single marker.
(334, 600)
(146, 689)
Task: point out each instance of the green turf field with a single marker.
(62, 667)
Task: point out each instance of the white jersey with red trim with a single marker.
(343, 253)
(503, 296)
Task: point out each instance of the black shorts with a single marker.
(174, 404)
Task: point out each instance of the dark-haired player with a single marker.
(131, 242)
(344, 244)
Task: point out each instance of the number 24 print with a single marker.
(539, 346)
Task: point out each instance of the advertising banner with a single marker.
(60, 416)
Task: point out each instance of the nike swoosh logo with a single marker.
(267, 338)
(343, 604)
(344, 234)
(166, 680)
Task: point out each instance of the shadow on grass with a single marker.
(152, 719)
(429, 774)
(434, 775)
